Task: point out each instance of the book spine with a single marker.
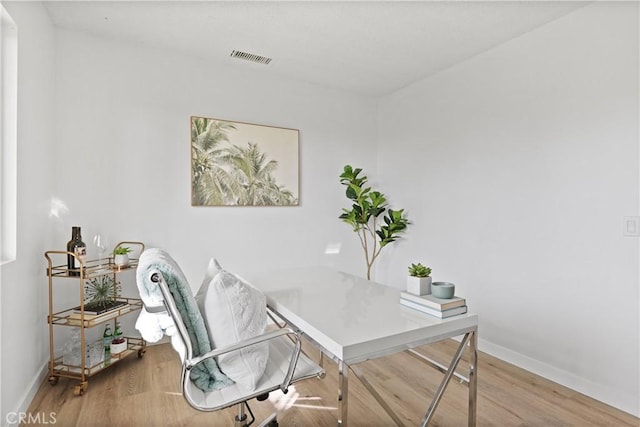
(422, 308)
(418, 300)
(75, 321)
(89, 312)
(436, 313)
(102, 310)
(106, 315)
(438, 307)
(432, 304)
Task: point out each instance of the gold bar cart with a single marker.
(78, 318)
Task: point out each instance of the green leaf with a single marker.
(377, 198)
(419, 270)
(368, 204)
(375, 212)
(351, 193)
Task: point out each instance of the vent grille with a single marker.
(250, 57)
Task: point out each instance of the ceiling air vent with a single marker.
(250, 57)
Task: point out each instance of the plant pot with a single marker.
(419, 285)
(116, 348)
(121, 260)
(444, 290)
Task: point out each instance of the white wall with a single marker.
(517, 167)
(123, 155)
(116, 161)
(23, 289)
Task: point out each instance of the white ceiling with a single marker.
(370, 48)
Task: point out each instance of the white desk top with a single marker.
(353, 318)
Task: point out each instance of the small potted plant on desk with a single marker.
(121, 256)
(419, 280)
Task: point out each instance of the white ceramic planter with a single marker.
(116, 348)
(419, 285)
(121, 260)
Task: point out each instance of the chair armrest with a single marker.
(190, 363)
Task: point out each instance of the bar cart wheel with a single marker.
(141, 353)
(53, 380)
(80, 388)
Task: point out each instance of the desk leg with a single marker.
(473, 378)
(343, 392)
(365, 382)
(446, 379)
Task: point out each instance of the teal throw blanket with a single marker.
(206, 375)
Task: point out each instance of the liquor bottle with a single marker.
(106, 340)
(76, 246)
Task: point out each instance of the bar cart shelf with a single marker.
(76, 317)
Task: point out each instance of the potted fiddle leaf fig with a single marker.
(121, 256)
(419, 280)
(370, 217)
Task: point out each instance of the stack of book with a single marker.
(104, 311)
(438, 307)
(99, 308)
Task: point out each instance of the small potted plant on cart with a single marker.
(121, 256)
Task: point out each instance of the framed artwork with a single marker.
(243, 164)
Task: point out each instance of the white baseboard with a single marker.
(610, 396)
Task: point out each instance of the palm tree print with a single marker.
(229, 174)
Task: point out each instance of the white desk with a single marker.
(353, 320)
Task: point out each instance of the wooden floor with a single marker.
(145, 392)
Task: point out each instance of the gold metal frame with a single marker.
(87, 270)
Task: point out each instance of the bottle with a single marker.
(118, 332)
(76, 246)
(106, 340)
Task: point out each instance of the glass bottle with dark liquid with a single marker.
(76, 246)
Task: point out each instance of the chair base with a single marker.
(270, 421)
(241, 419)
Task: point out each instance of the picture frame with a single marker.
(243, 164)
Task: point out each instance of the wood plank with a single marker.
(146, 392)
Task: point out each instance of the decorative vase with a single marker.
(444, 290)
(121, 260)
(419, 285)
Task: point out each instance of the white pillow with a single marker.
(233, 310)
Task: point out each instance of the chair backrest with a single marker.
(170, 308)
(163, 286)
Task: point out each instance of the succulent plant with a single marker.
(419, 270)
(121, 250)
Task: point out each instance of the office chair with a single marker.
(285, 365)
